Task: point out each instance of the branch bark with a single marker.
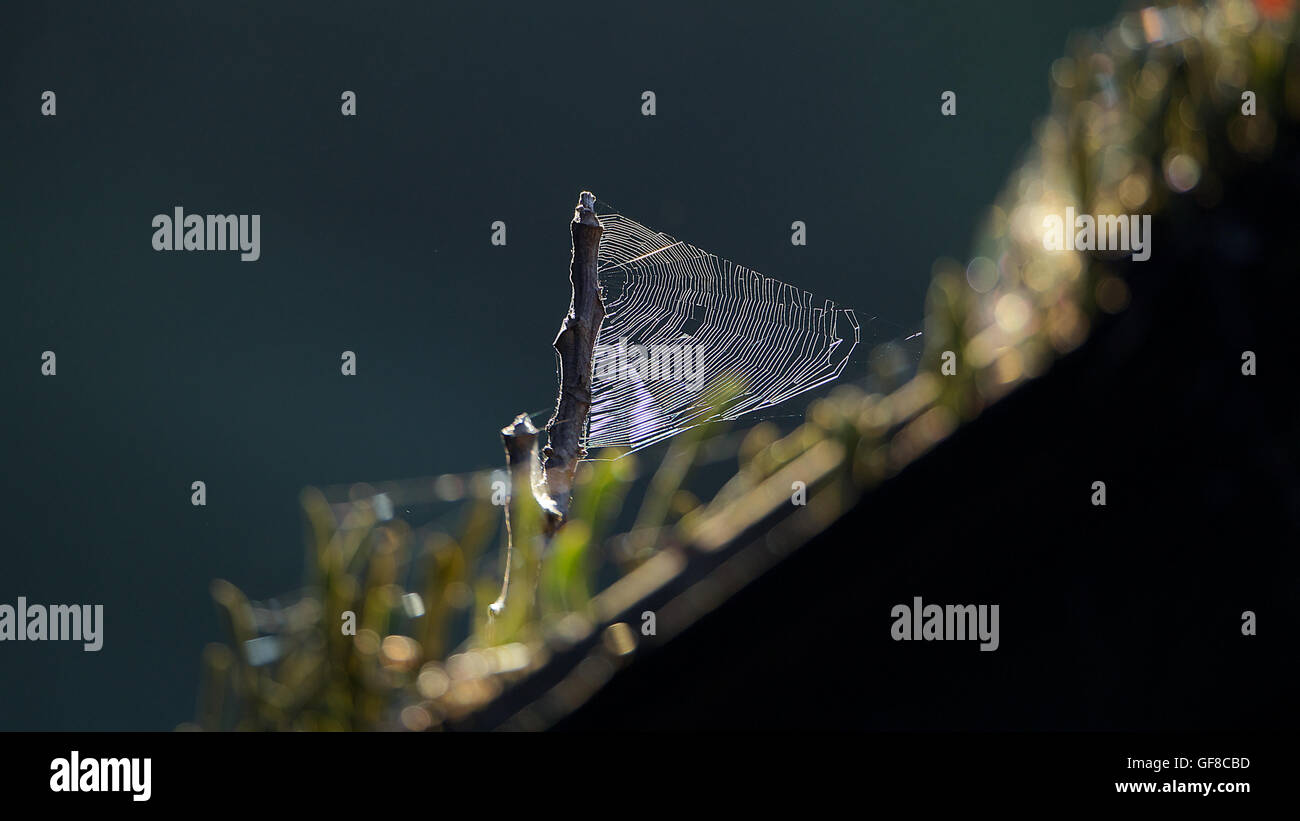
(575, 346)
(548, 491)
(522, 519)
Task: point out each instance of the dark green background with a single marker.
(375, 238)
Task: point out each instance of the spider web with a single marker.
(718, 323)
